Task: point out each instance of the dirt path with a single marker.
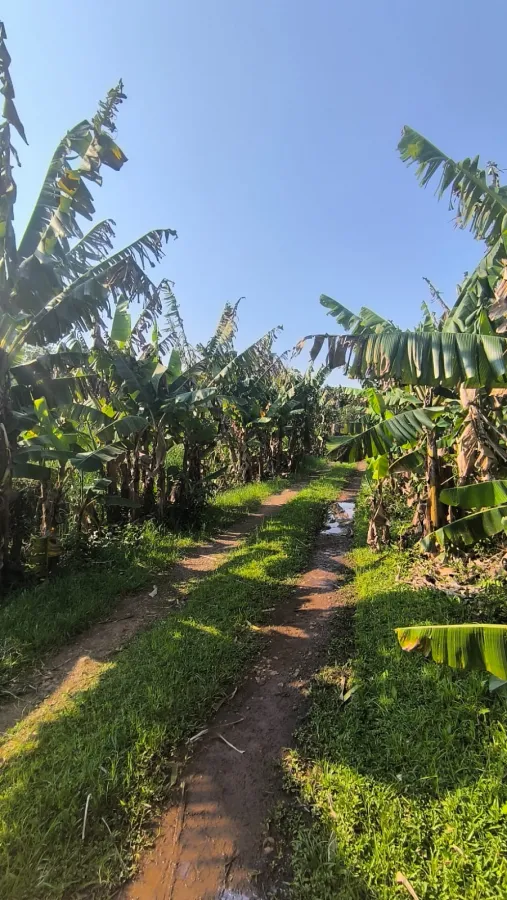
(75, 666)
(212, 844)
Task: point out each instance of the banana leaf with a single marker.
(460, 646)
(402, 429)
(476, 496)
(121, 328)
(122, 427)
(95, 459)
(467, 531)
(409, 462)
(27, 470)
(481, 206)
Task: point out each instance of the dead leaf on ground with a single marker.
(401, 879)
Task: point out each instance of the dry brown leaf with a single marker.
(401, 879)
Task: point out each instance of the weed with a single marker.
(409, 775)
(114, 741)
(45, 616)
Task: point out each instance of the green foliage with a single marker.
(469, 530)
(408, 776)
(96, 574)
(399, 430)
(480, 206)
(119, 735)
(460, 646)
(476, 496)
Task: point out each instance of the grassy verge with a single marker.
(44, 617)
(409, 776)
(114, 741)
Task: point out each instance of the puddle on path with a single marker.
(339, 517)
(348, 507)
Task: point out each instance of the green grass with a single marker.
(115, 741)
(44, 617)
(409, 776)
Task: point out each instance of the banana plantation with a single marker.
(126, 450)
(107, 413)
(430, 417)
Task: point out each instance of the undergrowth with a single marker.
(407, 779)
(113, 743)
(44, 617)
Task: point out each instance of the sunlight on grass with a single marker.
(83, 676)
(114, 742)
(409, 775)
(46, 616)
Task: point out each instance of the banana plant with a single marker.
(488, 502)
(57, 281)
(399, 430)
(474, 646)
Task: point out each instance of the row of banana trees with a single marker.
(91, 394)
(432, 402)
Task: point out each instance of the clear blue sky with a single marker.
(264, 131)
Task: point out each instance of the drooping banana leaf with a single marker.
(366, 322)
(460, 646)
(27, 470)
(48, 365)
(95, 459)
(409, 462)
(122, 427)
(468, 530)
(481, 206)
(402, 429)
(437, 359)
(80, 301)
(41, 453)
(476, 496)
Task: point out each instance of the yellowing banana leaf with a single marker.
(460, 646)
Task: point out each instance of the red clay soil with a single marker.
(212, 843)
(74, 667)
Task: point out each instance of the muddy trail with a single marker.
(74, 667)
(212, 842)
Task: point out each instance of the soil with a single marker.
(74, 667)
(212, 842)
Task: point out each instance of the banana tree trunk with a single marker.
(113, 513)
(245, 461)
(5, 495)
(161, 493)
(293, 451)
(5, 472)
(192, 462)
(279, 450)
(432, 521)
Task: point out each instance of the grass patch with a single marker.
(115, 740)
(44, 617)
(409, 776)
